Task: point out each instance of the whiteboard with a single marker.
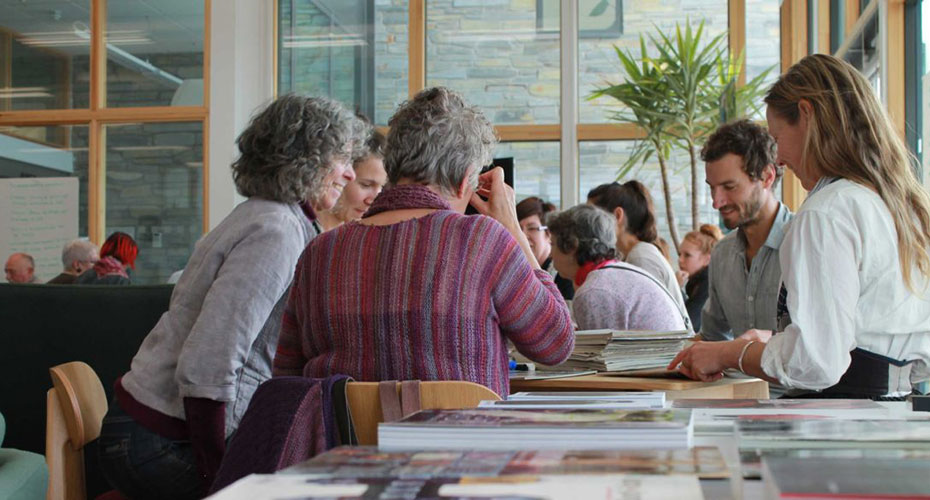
(38, 215)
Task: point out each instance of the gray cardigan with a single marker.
(218, 338)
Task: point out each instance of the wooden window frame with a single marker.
(794, 46)
(98, 115)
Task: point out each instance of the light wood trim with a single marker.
(109, 115)
(65, 463)
(896, 71)
(793, 49)
(852, 15)
(205, 168)
(726, 388)
(508, 133)
(586, 132)
(96, 183)
(823, 27)
(276, 13)
(98, 55)
(416, 49)
(365, 403)
(609, 132)
(737, 33)
(6, 69)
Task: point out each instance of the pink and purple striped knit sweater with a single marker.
(433, 298)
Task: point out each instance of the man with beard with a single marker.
(744, 274)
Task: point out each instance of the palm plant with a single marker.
(677, 98)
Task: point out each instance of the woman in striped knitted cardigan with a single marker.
(416, 289)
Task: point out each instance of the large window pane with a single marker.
(536, 168)
(597, 58)
(44, 54)
(502, 55)
(763, 32)
(155, 193)
(46, 152)
(354, 51)
(600, 162)
(154, 53)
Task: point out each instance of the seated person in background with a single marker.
(856, 258)
(194, 375)
(21, 268)
(608, 293)
(416, 289)
(693, 260)
(77, 256)
(532, 213)
(117, 253)
(637, 235)
(744, 273)
(359, 194)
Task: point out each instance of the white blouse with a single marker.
(840, 266)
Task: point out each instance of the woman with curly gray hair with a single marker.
(421, 290)
(193, 377)
(609, 293)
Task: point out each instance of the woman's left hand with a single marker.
(705, 361)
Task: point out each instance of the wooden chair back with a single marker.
(76, 405)
(365, 403)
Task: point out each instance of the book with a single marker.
(718, 416)
(832, 433)
(606, 486)
(516, 429)
(751, 460)
(548, 374)
(368, 462)
(590, 400)
(810, 478)
(615, 350)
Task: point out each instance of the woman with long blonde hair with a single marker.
(856, 259)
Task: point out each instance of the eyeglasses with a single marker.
(532, 229)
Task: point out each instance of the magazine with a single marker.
(859, 478)
(367, 461)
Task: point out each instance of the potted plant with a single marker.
(678, 97)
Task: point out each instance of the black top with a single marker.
(566, 288)
(62, 279)
(696, 291)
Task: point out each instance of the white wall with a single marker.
(241, 80)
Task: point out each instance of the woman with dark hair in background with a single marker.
(422, 291)
(532, 214)
(637, 234)
(693, 259)
(192, 378)
(117, 253)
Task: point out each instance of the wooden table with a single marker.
(674, 388)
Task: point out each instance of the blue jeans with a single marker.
(142, 464)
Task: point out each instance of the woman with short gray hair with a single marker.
(193, 377)
(608, 293)
(422, 291)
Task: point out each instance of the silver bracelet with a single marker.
(743, 353)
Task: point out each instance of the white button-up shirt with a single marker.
(840, 266)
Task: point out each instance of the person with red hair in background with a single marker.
(118, 252)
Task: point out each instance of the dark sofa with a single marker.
(45, 325)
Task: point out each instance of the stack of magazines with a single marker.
(516, 429)
(618, 350)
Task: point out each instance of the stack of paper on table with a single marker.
(492, 429)
(612, 350)
(580, 400)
